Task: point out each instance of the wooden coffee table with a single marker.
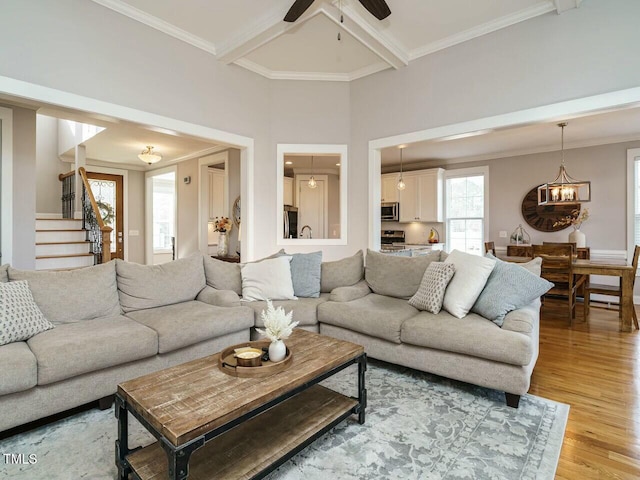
(213, 425)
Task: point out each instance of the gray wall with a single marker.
(48, 166)
(136, 215)
(187, 242)
(544, 60)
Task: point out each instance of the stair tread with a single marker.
(68, 255)
(63, 243)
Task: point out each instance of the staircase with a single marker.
(61, 244)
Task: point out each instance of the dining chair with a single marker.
(490, 247)
(611, 290)
(576, 254)
(557, 267)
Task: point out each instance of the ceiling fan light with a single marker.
(149, 156)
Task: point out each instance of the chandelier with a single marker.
(149, 156)
(564, 190)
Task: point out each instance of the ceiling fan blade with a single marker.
(377, 8)
(297, 9)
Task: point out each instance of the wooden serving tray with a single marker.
(228, 364)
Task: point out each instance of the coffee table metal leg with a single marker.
(179, 457)
(122, 443)
(362, 391)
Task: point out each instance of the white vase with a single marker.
(277, 351)
(223, 244)
(579, 238)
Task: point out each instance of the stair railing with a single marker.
(68, 193)
(98, 233)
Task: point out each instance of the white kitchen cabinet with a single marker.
(422, 199)
(389, 187)
(287, 191)
(216, 193)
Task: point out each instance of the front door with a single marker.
(107, 190)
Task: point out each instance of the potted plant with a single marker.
(277, 327)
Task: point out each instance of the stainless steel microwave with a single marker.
(390, 211)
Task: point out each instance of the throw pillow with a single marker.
(509, 287)
(395, 276)
(472, 272)
(430, 294)
(268, 280)
(20, 317)
(341, 273)
(305, 274)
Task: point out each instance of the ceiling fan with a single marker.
(377, 8)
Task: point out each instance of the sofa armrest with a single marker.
(219, 298)
(352, 292)
(523, 320)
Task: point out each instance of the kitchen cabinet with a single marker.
(422, 199)
(389, 187)
(287, 191)
(216, 193)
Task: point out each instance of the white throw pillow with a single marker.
(472, 272)
(20, 317)
(268, 280)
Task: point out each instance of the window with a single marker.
(466, 209)
(633, 200)
(164, 191)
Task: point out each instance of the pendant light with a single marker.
(564, 190)
(312, 181)
(149, 156)
(401, 185)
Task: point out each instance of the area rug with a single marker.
(418, 426)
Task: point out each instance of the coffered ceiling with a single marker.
(252, 33)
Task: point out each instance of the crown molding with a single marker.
(483, 29)
(564, 5)
(161, 25)
(311, 76)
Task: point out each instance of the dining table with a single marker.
(608, 267)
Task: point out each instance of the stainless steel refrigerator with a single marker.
(290, 222)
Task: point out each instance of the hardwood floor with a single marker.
(596, 370)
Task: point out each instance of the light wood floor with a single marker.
(596, 370)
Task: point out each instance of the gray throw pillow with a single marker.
(341, 273)
(306, 271)
(434, 283)
(20, 317)
(509, 287)
(223, 275)
(395, 276)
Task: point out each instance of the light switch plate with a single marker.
(134, 233)
(503, 234)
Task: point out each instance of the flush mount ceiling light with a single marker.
(149, 156)
(401, 185)
(312, 181)
(564, 190)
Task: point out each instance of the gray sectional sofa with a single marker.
(120, 320)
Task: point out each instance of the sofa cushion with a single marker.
(223, 275)
(73, 295)
(76, 348)
(150, 286)
(462, 335)
(4, 274)
(342, 273)
(268, 280)
(306, 271)
(509, 287)
(19, 370)
(375, 315)
(188, 323)
(396, 276)
(20, 317)
(219, 298)
(434, 283)
(472, 272)
(305, 310)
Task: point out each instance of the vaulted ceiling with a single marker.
(252, 33)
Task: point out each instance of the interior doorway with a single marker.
(108, 191)
(161, 207)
